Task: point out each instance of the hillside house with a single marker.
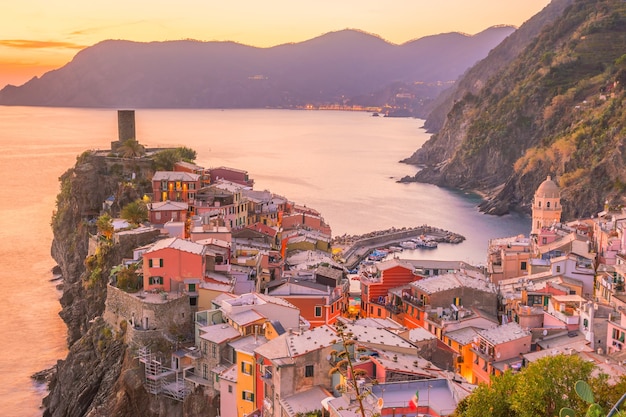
(175, 186)
(162, 212)
(377, 280)
(496, 348)
(433, 301)
(174, 265)
(234, 175)
(293, 363)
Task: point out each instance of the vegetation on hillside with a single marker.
(541, 389)
(558, 109)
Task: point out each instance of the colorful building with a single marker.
(175, 186)
(174, 264)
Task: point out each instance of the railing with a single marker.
(414, 301)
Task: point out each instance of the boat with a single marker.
(408, 245)
(430, 244)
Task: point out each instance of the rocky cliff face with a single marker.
(100, 375)
(556, 109)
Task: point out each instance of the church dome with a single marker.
(548, 189)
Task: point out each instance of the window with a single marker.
(379, 312)
(318, 311)
(544, 240)
(213, 350)
(548, 204)
(155, 280)
(558, 268)
(246, 368)
(155, 263)
(523, 266)
(308, 371)
(230, 389)
(205, 371)
(164, 185)
(192, 287)
(157, 215)
(247, 396)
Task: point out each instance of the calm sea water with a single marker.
(343, 164)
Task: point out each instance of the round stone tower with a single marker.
(546, 206)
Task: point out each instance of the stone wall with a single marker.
(172, 319)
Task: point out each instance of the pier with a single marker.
(357, 248)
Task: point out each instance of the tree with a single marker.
(135, 212)
(127, 278)
(490, 400)
(104, 223)
(539, 390)
(346, 368)
(131, 148)
(164, 160)
(186, 154)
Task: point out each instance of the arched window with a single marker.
(540, 203)
(548, 204)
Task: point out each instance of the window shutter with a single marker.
(150, 263)
(161, 262)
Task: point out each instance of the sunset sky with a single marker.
(39, 35)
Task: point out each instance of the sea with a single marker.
(344, 164)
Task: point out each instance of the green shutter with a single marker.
(161, 262)
(150, 263)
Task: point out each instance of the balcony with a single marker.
(411, 300)
(191, 376)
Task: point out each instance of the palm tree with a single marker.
(135, 212)
(131, 148)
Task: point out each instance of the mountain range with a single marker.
(556, 107)
(344, 67)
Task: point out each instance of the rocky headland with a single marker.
(100, 375)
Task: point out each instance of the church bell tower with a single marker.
(546, 206)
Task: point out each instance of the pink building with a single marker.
(306, 221)
(164, 211)
(174, 264)
(230, 174)
(495, 348)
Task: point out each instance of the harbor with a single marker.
(353, 249)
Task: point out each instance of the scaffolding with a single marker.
(161, 380)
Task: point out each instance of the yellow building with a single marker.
(546, 208)
(245, 363)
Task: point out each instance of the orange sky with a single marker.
(39, 35)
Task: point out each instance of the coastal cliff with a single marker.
(101, 375)
(556, 108)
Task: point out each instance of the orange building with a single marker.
(175, 186)
(376, 282)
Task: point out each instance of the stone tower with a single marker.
(125, 127)
(546, 206)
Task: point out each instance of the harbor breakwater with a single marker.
(356, 248)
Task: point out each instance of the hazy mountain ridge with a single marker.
(331, 68)
(556, 109)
